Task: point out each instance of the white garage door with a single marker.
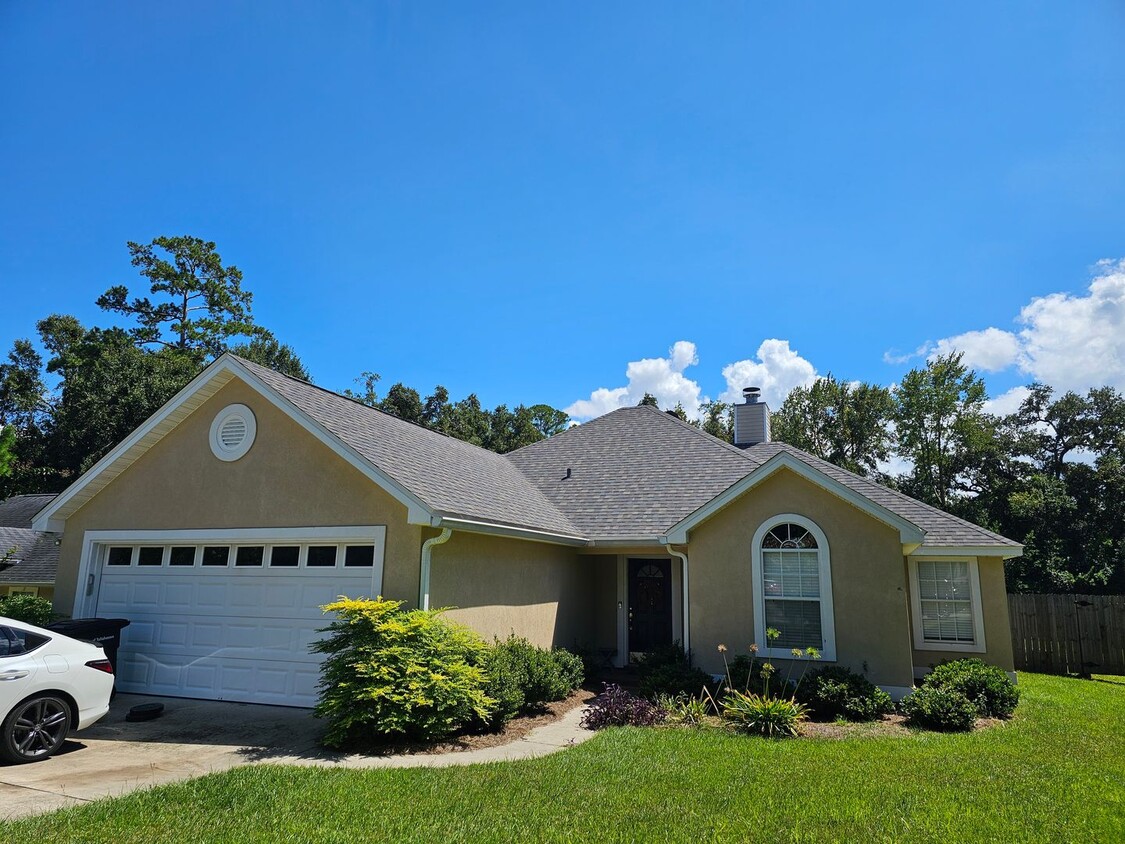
(230, 616)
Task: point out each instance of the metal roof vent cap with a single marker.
(232, 432)
(752, 394)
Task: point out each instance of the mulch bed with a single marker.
(515, 729)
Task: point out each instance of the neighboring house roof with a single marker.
(632, 474)
(19, 510)
(37, 556)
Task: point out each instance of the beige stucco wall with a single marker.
(997, 627)
(287, 479)
(501, 586)
(869, 594)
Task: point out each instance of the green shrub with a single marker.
(772, 717)
(398, 674)
(27, 608)
(939, 709)
(505, 682)
(987, 686)
(571, 666)
(835, 692)
(669, 671)
(520, 676)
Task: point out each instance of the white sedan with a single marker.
(50, 685)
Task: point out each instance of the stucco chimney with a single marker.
(751, 419)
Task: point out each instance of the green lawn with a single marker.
(1055, 773)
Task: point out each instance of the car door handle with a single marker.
(13, 675)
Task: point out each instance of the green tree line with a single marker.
(68, 398)
(1050, 475)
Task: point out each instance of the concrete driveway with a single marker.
(196, 737)
(191, 738)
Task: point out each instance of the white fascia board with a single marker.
(492, 529)
(1005, 551)
(50, 519)
(909, 532)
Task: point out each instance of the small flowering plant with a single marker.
(768, 714)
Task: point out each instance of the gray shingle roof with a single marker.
(633, 473)
(19, 510)
(638, 471)
(453, 477)
(37, 553)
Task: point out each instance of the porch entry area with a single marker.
(650, 599)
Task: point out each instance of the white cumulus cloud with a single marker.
(662, 377)
(990, 350)
(1068, 341)
(1078, 342)
(777, 370)
(1007, 402)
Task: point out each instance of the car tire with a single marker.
(35, 729)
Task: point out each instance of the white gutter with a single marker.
(684, 591)
(472, 526)
(424, 579)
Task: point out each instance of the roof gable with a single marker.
(432, 475)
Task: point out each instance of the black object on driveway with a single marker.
(145, 712)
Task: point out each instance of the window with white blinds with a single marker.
(946, 602)
(792, 581)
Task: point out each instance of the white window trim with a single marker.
(977, 646)
(229, 455)
(827, 616)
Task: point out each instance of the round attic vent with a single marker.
(232, 432)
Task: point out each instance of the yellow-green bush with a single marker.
(394, 673)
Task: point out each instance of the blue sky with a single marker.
(520, 199)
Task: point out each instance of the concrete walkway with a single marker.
(196, 737)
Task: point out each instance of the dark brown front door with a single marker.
(650, 605)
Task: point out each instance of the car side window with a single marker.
(14, 642)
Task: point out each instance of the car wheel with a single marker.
(35, 729)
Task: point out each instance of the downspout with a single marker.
(424, 579)
(684, 592)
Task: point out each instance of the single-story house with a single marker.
(28, 558)
(222, 524)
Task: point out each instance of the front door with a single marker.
(650, 605)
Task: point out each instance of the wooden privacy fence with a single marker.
(1068, 634)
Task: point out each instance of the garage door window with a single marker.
(120, 556)
(313, 556)
(359, 556)
(321, 556)
(250, 555)
(182, 555)
(216, 555)
(150, 556)
(285, 556)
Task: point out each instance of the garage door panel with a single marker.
(224, 633)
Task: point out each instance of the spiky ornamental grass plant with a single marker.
(764, 714)
(391, 673)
